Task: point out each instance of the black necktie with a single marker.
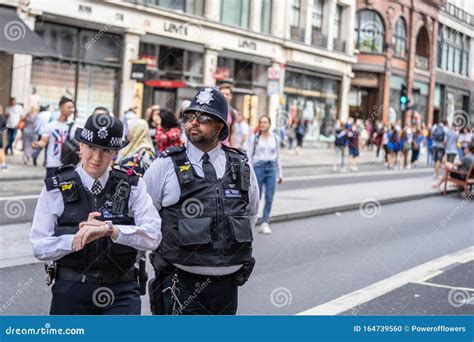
(96, 187)
(209, 171)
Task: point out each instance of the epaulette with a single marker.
(123, 173)
(172, 150)
(53, 181)
(235, 150)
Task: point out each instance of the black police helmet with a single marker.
(212, 102)
(102, 130)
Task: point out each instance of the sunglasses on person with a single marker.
(199, 116)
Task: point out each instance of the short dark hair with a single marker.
(168, 119)
(102, 109)
(64, 100)
(470, 147)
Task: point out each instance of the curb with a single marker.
(300, 166)
(348, 207)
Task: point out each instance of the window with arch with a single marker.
(369, 32)
(399, 38)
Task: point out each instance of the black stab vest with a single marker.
(101, 254)
(209, 225)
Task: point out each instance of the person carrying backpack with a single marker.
(438, 133)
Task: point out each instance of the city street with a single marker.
(306, 263)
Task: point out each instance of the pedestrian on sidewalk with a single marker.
(3, 133)
(14, 113)
(405, 143)
(55, 134)
(207, 192)
(241, 134)
(92, 220)
(300, 131)
(438, 132)
(44, 117)
(140, 153)
(416, 146)
(29, 133)
(452, 137)
(265, 158)
(429, 148)
(393, 148)
(353, 143)
(167, 131)
(465, 139)
(227, 90)
(340, 144)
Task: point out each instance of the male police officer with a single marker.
(92, 220)
(207, 197)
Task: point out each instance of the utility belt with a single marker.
(54, 271)
(163, 270)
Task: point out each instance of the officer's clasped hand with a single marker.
(89, 231)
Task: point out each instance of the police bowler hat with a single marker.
(212, 102)
(102, 130)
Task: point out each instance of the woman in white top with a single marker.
(264, 157)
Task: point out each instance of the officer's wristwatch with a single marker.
(110, 228)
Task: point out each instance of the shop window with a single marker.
(369, 32)
(171, 59)
(243, 74)
(101, 47)
(235, 12)
(399, 38)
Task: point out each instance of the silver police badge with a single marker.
(205, 96)
(103, 133)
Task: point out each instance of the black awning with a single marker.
(17, 37)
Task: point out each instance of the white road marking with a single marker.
(443, 286)
(355, 175)
(382, 287)
(25, 197)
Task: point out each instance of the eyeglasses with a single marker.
(199, 116)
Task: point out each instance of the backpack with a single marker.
(438, 134)
(70, 149)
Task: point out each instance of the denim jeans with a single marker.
(266, 172)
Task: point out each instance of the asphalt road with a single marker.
(308, 262)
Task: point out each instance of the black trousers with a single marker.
(193, 294)
(76, 298)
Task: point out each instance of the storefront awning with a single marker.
(175, 43)
(245, 57)
(16, 37)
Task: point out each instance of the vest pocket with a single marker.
(195, 231)
(240, 226)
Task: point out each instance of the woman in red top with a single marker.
(164, 128)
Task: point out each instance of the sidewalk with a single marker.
(368, 197)
(311, 156)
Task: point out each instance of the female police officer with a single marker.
(207, 197)
(92, 220)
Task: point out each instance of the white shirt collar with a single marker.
(88, 181)
(195, 154)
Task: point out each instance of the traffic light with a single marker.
(403, 98)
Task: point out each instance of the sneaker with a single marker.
(265, 228)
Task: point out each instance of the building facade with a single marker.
(454, 90)
(285, 57)
(397, 47)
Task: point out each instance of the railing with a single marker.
(297, 33)
(318, 39)
(421, 62)
(339, 45)
(457, 12)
